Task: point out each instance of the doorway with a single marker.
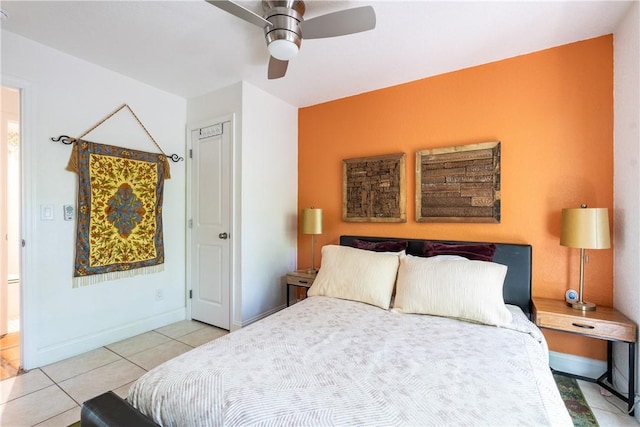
(10, 205)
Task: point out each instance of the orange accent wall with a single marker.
(553, 112)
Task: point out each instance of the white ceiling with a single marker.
(190, 48)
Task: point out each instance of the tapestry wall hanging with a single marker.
(374, 189)
(459, 184)
(119, 219)
(119, 212)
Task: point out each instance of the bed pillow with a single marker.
(357, 275)
(479, 252)
(469, 290)
(385, 246)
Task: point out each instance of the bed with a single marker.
(358, 353)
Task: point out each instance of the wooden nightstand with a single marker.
(604, 323)
(300, 279)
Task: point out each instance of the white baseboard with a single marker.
(577, 365)
(66, 349)
(591, 368)
(586, 367)
(238, 325)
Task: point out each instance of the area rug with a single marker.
(575, 402)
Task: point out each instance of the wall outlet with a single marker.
(159, 294)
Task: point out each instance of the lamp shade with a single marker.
(311, 222)
(585, 228)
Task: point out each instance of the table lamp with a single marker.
(585, 228)
(311, 223)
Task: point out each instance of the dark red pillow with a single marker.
(385, 246)
(479, 252)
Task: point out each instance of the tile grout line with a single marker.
(75, 376)
(56, 415)
(61, 389)
(131, 361)
(125, 358)
(31, 392)
(147, 349)
(81, 373)
(195, 330)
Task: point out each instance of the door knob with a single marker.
(223, 236)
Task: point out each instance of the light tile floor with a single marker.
(608, 410)
(52, 395)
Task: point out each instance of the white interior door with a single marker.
(210, 224)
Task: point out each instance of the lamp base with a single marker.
(311, 271)
(582, 305)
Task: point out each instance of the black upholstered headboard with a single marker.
(517, 258)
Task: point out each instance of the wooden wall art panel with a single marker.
(459, 184)
(374, 189)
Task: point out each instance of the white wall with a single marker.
(265, 194)
(269, 200)
(626, 231)
(65, 95)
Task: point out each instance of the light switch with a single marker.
(46, 212)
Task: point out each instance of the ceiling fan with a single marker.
(284, 27)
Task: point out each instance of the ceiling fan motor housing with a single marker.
(283, 36)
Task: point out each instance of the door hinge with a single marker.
(191, 153)
(190, 223)
(190, 294)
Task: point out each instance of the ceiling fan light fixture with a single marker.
(283, 36)
(283, 49)
(283, 24)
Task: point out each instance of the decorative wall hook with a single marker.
(65, 139)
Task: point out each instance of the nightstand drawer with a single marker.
(597, 327)
(603, 323)
(296, 280)
(299, 279)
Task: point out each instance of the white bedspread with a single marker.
(326, 361)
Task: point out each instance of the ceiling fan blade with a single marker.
(277, 68)
(240, 12)
(339, 23)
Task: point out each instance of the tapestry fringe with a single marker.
(73, 159)
(167, 168)
(98, 278)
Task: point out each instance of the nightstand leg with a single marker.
(632, 375)
(606, 380)
(610, 362)
(288, 294)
